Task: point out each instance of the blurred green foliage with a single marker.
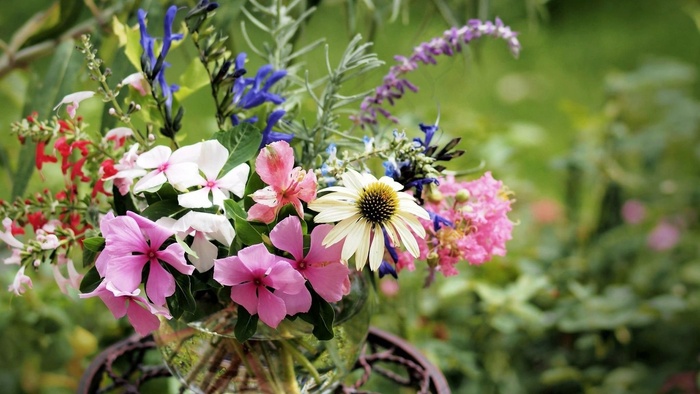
(601, 109)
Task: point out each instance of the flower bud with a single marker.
(462, 195)
(112, 112)
(434, 195)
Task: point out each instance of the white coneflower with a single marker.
(365, 207)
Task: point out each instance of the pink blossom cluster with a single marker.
(478, 225)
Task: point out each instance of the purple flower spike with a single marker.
(394, 84)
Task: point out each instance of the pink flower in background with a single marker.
(322, 266)
(73, 279)
(468, 222)
(633, 211)
(127, 171)
(118, 136)
(131, 242)
(141, 313)
(287, 184)
(18, 284)
(253, 273)
(664, 236)
(138, 82)
(546, 211)
(73, 100)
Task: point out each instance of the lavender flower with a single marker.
(395, 85)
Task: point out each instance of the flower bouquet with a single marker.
(250, 248)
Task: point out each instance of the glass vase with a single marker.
(206, 357)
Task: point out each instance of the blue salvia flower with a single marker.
(272, 136)
(429, 131)
(439, 221)
(386, 268)
(252, 92)
(155, 67)
(419, 183)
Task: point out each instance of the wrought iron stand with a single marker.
(385, 355)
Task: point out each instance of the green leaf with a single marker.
(194, 78)
(182, 300)
(41, 98)
(159, 209)
(90, 281)
(123, 204)
(321, 315)
(242, 143)
(247, 232)
(56, 19)
(246, 324)
(166, 192)
(94, 244)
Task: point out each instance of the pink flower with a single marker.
(73, 100)
(322, 266)
(131, 242)
(287, 184)
(138, 82)
(74, 277)
(664, 236)
(141, 313)
(118, 136)
(633, 211)
(7, 236)
(127, 171)
(253, 273)
(479, 229)
(19, 282)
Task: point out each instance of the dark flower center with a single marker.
(378, 202)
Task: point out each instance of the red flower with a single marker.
(41, 157)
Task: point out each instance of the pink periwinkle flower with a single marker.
(664, 236)
(633, 211)
(263, 284)
(18, 284)
(132, 242)
(127, 170)
(287, 184)
(469, 222)
(322, 266)
(141, 313)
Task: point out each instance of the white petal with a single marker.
(412, 222)
(196, 199)
(150, 181)
(335, 214)
(341, 230)
(413, 208)
(362, 247)
(235, 180)
(187, 154)
(155, 157)
(408, 240)
(353, 180)
(376, 251)
(212, 158)
(184, 175)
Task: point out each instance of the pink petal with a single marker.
(156, 233)
(125, 271)
(231, 271)
(328, 280)
(246, 295)
(275, 163)
(143, 320)
(307, 187)
(287, 236)
(262, 213)
(285, 278)
(160, 284)
(319, 253)
(267, 196)
(122, 234)
(174, 255)
(271, 308)
(116, 305)
(257, 258)
(296, 303)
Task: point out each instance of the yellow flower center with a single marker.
(378, 202)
